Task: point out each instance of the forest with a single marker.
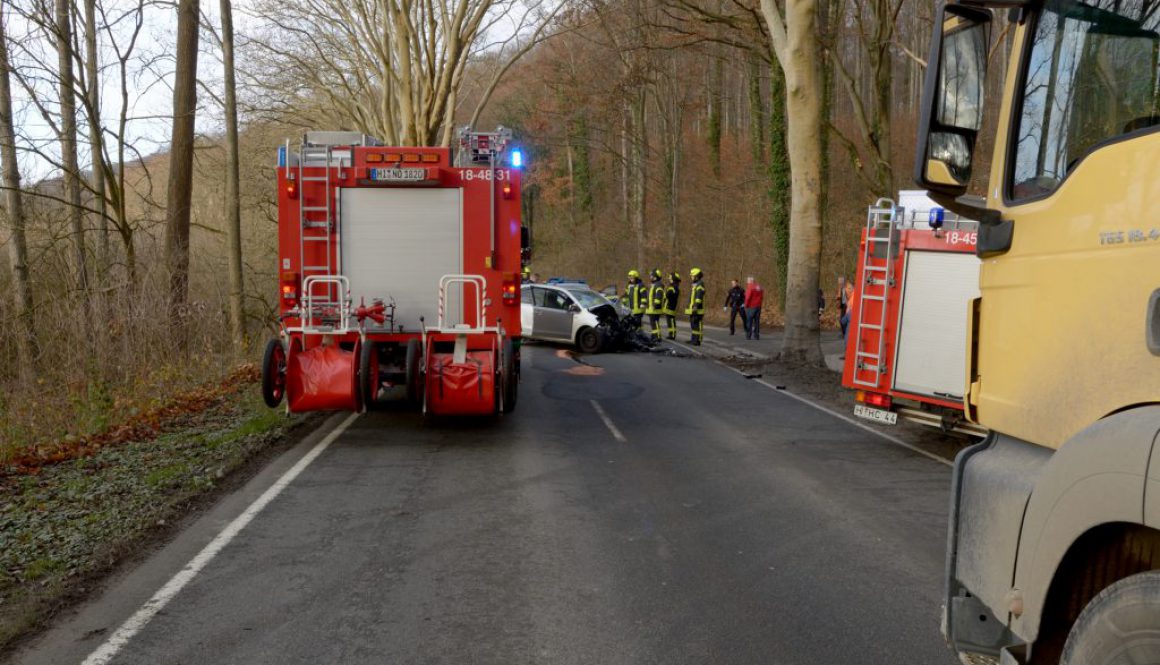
(138, 138)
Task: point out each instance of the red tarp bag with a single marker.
(322, 378)
(466, 388)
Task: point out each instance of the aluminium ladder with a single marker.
(877, 280)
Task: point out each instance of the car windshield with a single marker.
(588, 298)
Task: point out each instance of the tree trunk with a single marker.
(780, 181)
(756, 119)
(26, 350)
(795, 42)
(715, 96)
(68, 146)
(180, 188)
(96, 141)
(639, 148)
(233, 179)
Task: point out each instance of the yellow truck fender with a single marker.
(1095, 485)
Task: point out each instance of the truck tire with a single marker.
(1120, 626)
(368, 374)
(509, 377)
(588, 340)
(274, 373)
(414, 369)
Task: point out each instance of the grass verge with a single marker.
(62, 526)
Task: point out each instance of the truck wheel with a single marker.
(274, 373)
(414, 369)
(1120, 626)
(588, 340)
(509, 377)
(368, 372)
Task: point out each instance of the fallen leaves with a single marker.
(140, 427)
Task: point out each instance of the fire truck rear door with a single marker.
(397, 243)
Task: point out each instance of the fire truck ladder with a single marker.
(317, 224)
(876, 283)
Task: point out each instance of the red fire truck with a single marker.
(399, 275)
(905, 345)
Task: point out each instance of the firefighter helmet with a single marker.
(632, 274)
(695, 273)
(526, 272)
(657, 274)
(675, 277)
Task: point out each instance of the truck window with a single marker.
(1091, 77)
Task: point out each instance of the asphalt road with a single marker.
(643, 509)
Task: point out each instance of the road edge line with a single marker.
(804, 400)
(141, 618)
(616, 434)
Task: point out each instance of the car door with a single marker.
(553, 319)
(527, 310)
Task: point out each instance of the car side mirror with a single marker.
(952, 100)
(574, 308)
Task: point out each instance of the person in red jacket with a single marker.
(754, 295)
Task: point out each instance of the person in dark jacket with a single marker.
(735, 305)
(672, 298)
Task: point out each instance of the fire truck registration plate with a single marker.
(877, 415)
(398, 174)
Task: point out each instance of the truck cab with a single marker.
(1054, 533)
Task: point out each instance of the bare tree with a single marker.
(390, 68)
(68, 141)
(794, 38)
(233, 178)
(14, 207)
(180, 190)
(92, 100)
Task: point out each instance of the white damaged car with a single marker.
(569, 312)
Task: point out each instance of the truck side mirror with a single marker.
(952, 100)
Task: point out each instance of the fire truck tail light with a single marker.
(289, 282)
(873, 399)
(509, 292)
(410, 157)
(431, 158)
(393, 157)
(292, 188)
(507, 190)
(374, 158)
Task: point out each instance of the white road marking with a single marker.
(141, 618)
(892, 439)
(607, 421)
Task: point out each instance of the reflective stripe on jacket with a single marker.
(672, 298)
(696, 299)
(656, 299)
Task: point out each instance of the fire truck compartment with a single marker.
(396, 245)
(932, 337)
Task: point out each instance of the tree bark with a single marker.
(780, 181)
(233, 184)
(68, 145)
(26, 348)
(180, 187)
(716, 70)
(795, 43)
(96, 140)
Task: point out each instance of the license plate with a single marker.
(877, 415)
(397, 175)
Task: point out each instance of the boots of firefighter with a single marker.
(655, 325)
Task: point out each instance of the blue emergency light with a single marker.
(517, 159)
(935, 218)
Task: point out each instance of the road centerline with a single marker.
(616, 434)
(141, 618)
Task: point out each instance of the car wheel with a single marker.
(588, 340)
(1119, 625)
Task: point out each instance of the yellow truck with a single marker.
(1054, 534)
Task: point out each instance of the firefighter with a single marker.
(526, 275)
(634, 297)
(655, 305)
(672, 297)
(696, 308)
